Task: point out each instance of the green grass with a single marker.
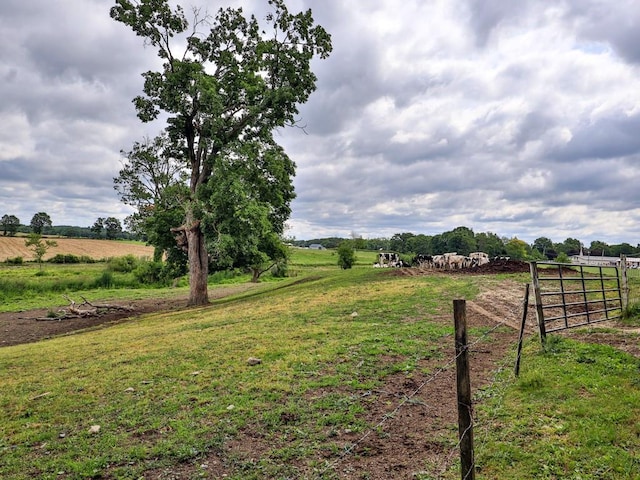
(305, 257)
(171, 389)
(165, 388)
(574, 413)
(28, 286)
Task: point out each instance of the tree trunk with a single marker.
(198, 265)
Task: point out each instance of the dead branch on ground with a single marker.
(84, 310)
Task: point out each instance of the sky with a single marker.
(516, 118)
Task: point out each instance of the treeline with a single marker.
(41, 224)
(72, 232)
(463, 240)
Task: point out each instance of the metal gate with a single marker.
(568, 295)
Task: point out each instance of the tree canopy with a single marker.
(39, 222)
(229, 89)
(10, 224)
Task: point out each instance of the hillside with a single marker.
(11, 247)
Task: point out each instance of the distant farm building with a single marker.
(600, 261)
(316, 246)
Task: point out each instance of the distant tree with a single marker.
(98, 227)
(39, 222)
(622, 248)
(346, 255)
(461, 240)
(358, 242)
(38, 246)
(490, 243)
(542, 245)
(517, 249)
(599, 248)
(563, 258)
(439, 244)
(377, 244)
(400, 242)
(10, 224)
(112, 227)
(420, 244)
(571, 246)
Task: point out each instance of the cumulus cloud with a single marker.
(518, 118)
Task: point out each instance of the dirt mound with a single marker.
(493, 267)
(502, 266)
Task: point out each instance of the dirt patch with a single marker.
(413, 416)
(23, 327)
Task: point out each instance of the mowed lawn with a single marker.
(12, 247)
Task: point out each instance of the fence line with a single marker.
(386, 417)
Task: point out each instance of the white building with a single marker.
(600, 261)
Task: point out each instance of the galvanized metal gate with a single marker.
(568, 295)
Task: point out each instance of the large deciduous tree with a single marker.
(112, 227)
(230, 87)
(39, 222)
(10, 224)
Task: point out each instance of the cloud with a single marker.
(518, 118)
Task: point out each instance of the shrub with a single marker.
(125, 264)
(14, 261)
(66, 258)
(280, 270)
(105, 280)
(346, 255)
(149, 273)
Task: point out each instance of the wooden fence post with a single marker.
(525, 308)
(539, 310)
(625, 283)
(465, 418)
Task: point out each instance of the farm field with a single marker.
(11, 247)
(355, 380)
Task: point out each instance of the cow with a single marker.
(439, 261)
(422, 260)
(457, 262)
(389, 259)
(479, 259)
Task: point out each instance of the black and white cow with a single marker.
(422, 260)
(388, 260)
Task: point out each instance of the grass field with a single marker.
(11, 247)
(171, 395)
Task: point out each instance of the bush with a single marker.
(346, 255)
(105, 280)
(125, 264)
(149, 273)
(14, 261)
(280, 270)
(66, 258)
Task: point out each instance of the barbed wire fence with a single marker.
(449, 459)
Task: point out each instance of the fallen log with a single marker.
(75, 310)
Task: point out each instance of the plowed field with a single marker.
(11, 247)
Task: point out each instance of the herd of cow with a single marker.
(446, 261)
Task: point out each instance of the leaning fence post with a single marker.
(525, 308)
(465, 419)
